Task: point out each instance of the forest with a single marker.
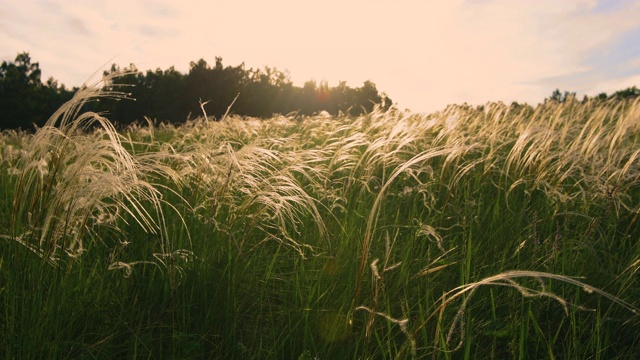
(170, 96)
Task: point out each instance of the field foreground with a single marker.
(493, 232)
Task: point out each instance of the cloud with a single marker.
(611, 56)
(611, 86)
(160, 9)
(155, 31)
(521, 51)
(425, 55)
(78, 26)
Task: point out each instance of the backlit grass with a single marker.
(493, 232)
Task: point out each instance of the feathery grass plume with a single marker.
(249, 181)
(11, 143)
(75, 174)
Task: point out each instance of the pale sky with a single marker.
(423, 54)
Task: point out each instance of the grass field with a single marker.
(500, 232)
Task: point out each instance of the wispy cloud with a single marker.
(77, 26)
(156, 31)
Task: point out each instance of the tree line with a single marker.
(24, 99)
(171, 96)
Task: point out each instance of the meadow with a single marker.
(500, 231)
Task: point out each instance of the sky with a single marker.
(423, 54)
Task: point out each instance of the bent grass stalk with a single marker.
(75, 174)
(505, 279)
(371, 221)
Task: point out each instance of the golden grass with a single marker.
(74, 174)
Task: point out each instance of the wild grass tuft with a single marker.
(75, 174)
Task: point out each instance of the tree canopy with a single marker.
(24, 99)
(171, 96)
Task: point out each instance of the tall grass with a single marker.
(74, 175)
(329, 238)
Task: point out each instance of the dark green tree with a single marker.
(216, 87)
(167, 98)
(25, 101)
(366, 98)
(560, 97)
(628, 93)
(307, 103)
(170, 96)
